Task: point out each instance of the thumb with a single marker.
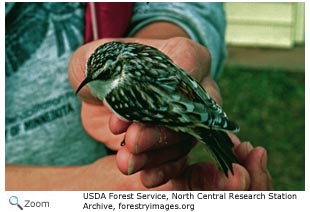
(76, 69)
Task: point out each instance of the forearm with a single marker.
(100, 175)
(161, 30)
(203, 22)
(42, 177)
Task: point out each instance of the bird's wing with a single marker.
(155, 90)
(166, 101)
(217, 118)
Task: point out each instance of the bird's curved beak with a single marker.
(83, 83)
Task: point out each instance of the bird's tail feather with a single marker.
(220, 146)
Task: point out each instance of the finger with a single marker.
(256, 164)
(76, 72)
(117, 125)
(95, 120)
(140, 138)
(160, 175)
(206, 176)
(129, 163)
(243, 150)
(240, 181)
(234, 139)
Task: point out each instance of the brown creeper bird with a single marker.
(140, 83)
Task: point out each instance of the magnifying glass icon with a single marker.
(14, 201)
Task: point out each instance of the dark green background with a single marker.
(269, 106)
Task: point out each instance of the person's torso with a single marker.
(42, 113)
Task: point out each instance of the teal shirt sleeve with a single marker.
(204, 22)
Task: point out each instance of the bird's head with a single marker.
(103, 65)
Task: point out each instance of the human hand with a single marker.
(254, 160)
(103, 174)
(251, 174)
(162, 147)
(94, 116)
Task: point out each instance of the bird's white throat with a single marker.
(101, 89)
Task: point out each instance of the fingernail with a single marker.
(248, 147)
(243, 184)
(131, 165)
(263, 161)
(137, 147)
(135, 163)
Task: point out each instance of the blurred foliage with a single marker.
(269, 106)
